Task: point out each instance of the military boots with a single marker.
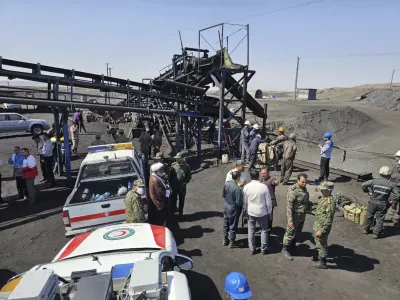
(286, 253)
(321, 263)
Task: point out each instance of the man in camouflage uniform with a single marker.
(159, 157)
(134, 211)
(289, 154)
(323, 222)
(395, 178)
(180, 176)
(296, 209)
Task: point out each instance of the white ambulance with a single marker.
(105, 175)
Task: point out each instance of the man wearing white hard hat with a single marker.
(395, 178)
(380, 190)
(245, 141)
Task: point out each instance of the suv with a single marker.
(95, 200)
(15, 123)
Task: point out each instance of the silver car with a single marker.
(11, 123)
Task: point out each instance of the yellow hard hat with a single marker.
(281, 129)
(62, 139)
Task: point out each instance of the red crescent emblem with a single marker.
(122, 234)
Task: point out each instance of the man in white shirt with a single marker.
(258, 204)
(45, 150)
(239, 168)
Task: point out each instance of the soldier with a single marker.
(134, 211)
(323, 222)
(159, 157)
(180, 176)
(296, 209)
(121, 138)
(98, 141)
(289, 154)
(278, 144)
(395, 178)
(381, 189)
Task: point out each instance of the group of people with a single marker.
(167, 191)
(257, 200)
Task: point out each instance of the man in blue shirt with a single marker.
(326, 153)
(17, 160)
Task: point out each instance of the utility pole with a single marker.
(106, 93)
(391, 80)
(297, 76)
(110, 94)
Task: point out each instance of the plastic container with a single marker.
(225, 158)
(129, 185)
(363, 215)
(104, 196)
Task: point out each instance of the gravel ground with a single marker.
(360, 267)
(387, 99)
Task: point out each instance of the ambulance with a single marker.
(125, 261)
(106, 174)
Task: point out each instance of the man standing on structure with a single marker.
(233, 203)
(278, 144)
(395, 177)
(180, 176)
(323, 222)
(289, 154)
(326, 153)
(145, 142)
(381, 189)
(296, 209)
(245, 140)
(74, 137)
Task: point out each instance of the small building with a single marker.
(309, 94)
(259, 94)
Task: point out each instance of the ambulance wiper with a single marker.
(95, 258)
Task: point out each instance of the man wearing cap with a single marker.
(159, 158)
(289, 154)
(326, 153)
(395, 177)
(245, 140)
(134, 211)
(121, 138)
(160, 194)
(296, 210)
(323, 222)
(380, 190)
(98, 141)
(180, 176)
(278, 144)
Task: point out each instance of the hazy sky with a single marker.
(138, 38)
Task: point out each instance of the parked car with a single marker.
(15, 123)
(11, 106)
(96, 199)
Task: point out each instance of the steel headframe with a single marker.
(222, 74)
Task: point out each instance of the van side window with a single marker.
(3, 118)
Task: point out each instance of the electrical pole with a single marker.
(106, 93)
(391, 80)
(110, 94)
(297, 76)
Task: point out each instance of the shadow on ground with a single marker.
(202, 287)
(346, 259)
(202, 215)
(5, 275)
(48, 199)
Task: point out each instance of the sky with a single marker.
(340, 43)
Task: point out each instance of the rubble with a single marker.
(384, 98)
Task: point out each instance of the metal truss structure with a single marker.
(176, 98)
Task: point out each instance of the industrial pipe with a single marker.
(93, 106)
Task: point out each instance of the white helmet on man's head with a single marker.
(247, 123)
(385, 171)
(256, 126)
(398, 153)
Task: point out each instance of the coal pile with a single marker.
(342, 122)
(384, 98)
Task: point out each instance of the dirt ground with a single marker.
(359, 267)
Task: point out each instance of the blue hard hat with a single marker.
(236, 286)
(327, 135)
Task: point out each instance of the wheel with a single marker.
(37, 129)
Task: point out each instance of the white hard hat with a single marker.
(259, 136)
(384, 171)
(256, 126)
(157, 166)
(247, 123)
(398, 153)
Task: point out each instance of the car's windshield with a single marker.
(108, 168)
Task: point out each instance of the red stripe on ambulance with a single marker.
(97, 216)
(73, 245)
(159, 235)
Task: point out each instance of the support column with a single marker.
(221, 113)
(244, 97)
(67, 147)
(177, 133)
(264, 120)
(185, 130)
(199, 135)
(57, 128)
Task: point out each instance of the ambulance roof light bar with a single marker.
(110, 147)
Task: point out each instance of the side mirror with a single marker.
(183, 262)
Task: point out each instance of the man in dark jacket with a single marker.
(254, 149)
(381, 189)
(159, 194)
(233, 202)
